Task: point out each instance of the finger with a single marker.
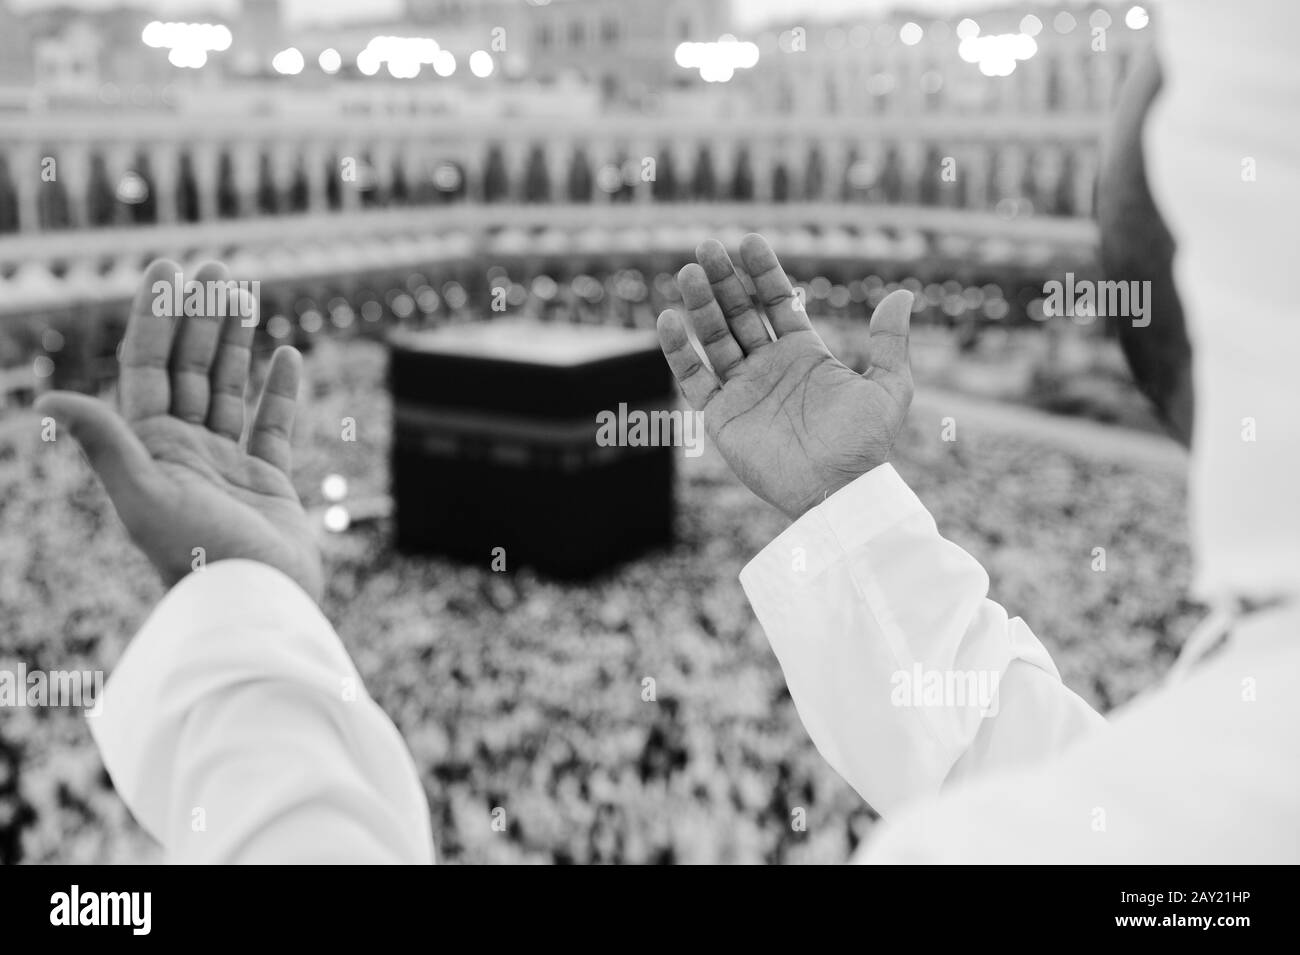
(773, 286)
(697, 383)
(143, 387)
(196, 345)
(720, 347)
(230, 369)
(888, 339)
(273, 422)
(746, 324)
(121, 461)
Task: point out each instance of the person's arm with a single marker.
(237, 730)
(235, 726)
(866, 606)
(904, 673)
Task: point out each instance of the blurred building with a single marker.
(627, 49)
(71, 54)
(16, 67)
(260, 33)
(557, 132)
(1035, 58)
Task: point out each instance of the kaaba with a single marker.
(495, 445)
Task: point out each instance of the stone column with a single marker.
(73, 172)
(559, 160)
(205, 158)
(246, 163)
(349, 193)
(164, 168)
(762, 162)
(314, 158)
(643, 191)
(911, 160)
(25, 170)
(834, 166)
(1085, 179)
(119, 158)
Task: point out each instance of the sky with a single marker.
(749, 13)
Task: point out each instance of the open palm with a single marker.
(793, 422)
(189, 492)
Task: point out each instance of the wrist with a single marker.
(826, 491)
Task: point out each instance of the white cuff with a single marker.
(853, 515)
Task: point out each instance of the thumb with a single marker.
(113, 450)
(888, 335)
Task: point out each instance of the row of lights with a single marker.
(912, 33)
(625, 284)
(629, 284)
(717, 61)
(997, 54)
(187, 44)
(404, 56)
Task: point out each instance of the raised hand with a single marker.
(793, 422)
(173, 462)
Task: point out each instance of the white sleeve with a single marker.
(237, 730)
(904, 674)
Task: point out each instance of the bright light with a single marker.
(717, 72)
(717, 62)
(132, 188)
(997, 66)
(911, 33)
(187, 57)
(337, 519)
(967, 28)
(405, 55)
(997, 54)
(446, 177)
(288, 62)
(480, 64)
(444, 63)
(403, 67)
(1031, 25)
(334, 487)
(1136, 18)
(609, 178)
(204, 36)
(330, 60)
(1021, 47)
(188, 44)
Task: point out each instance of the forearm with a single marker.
(237, 730)
(904, 673)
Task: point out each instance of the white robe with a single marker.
(863, 589)
(236, 729)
